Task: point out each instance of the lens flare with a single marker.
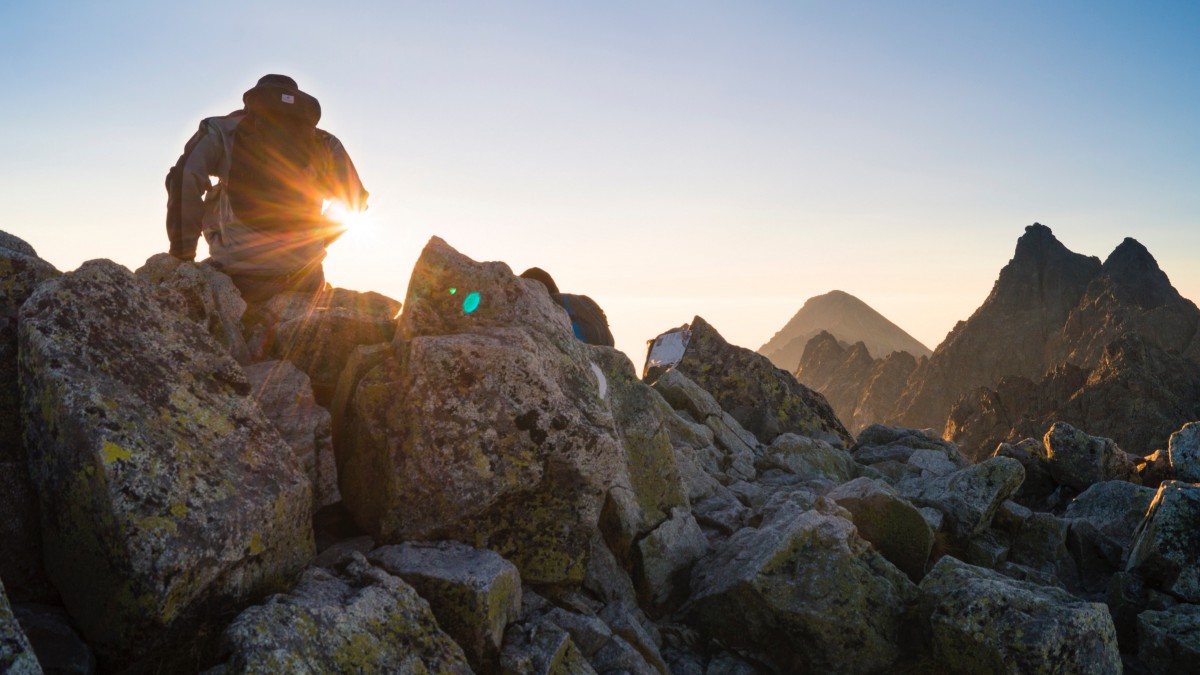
(345, 217)
(471, 303)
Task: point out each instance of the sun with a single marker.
(348, 220)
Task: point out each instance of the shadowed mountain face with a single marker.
(1009, 333)
(848, 319)
(1130, 295)
(861, 390)
(1138, 395)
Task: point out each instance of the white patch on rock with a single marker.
(600, 379)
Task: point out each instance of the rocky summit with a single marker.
(337, 482)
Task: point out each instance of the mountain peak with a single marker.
(1042, 273)
(1039, 243)
(1134, 270)
(1130, 255)
(848, 320)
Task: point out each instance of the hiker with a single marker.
(587, 319)
(275, 171)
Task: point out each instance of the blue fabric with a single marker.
(574, 324)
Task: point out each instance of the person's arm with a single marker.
(344, 184)
(187, 182)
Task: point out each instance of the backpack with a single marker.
(587, 319)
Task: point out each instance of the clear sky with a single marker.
(726, 159)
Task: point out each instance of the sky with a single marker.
(669, 159)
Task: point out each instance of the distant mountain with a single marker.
(861, 390)
(1109, 347)
(846, 318)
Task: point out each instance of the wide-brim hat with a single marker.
(278, 97)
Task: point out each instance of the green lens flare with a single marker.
(471, 303)
(453, 291)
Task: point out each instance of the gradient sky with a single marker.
(667, 158)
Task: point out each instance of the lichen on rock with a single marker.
(165, 495)
(486, 426)
(354, 618)
(980, 621)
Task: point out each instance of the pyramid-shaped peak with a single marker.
(835, 298)
(1130, 255)
(1134, 270)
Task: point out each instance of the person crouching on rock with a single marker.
(587, 319)
(264, 219)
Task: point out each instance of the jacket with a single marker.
(196, 207)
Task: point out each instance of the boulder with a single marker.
(485, 423)
(204, 295)
(711, 447)
(930, 463)
(878, 443)
(891, 523)
(1040, 544)
(1115, 508)
(1154, 468)
(605, 578)
(16, 654)
(631, 625)
(667, 554)
(684, 394)
(1127, 597)
(165, 495)
(980, 621)
(362, 361)
(968, 497)
(1095, 558)
(1078, 460)
(651, 473)
(766, 400)
(319, 331)
(808, 458)
(355, 618)
(1038, 485)
(21, 554)
(738, 445)
(615, 642)
(285, 395)
(474, 593)
(806, 592)
(320, 344)
(21, 271)
(1165, 544)
(723, 513)
(618, 656)
(1169, 640)
(536, 650)
(1184, 453)
(57, 645)
(587, 630)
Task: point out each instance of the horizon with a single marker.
(669, 161)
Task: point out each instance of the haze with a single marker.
(669, 159)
